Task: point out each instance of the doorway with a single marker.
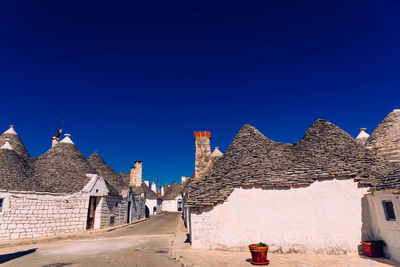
(128, 216)
(91, 213)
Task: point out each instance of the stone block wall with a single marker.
(138, 208)
(35, 215)
(112, 206)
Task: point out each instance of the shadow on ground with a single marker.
(7, 257)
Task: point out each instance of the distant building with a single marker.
(172, 199)
(140, 187)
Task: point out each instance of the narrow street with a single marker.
(143, 244)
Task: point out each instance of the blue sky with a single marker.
(134, 80)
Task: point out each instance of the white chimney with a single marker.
(162, 190)
(153, 187)
(136, 174)
(147, 183)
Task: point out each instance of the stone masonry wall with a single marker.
(33, 215)
(112, 207)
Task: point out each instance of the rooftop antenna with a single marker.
(58, 135)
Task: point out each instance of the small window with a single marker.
(389, 211)
(1, 204)
(116, 204)
(112, 220)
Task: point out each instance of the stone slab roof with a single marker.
(14, 171)
(114, 181)
(173, 191)
(385, 139)
(62, 169)
(253, 160)
(15, 142)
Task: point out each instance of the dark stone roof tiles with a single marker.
(173, 191)
(62, 169)
(16, 144)
(114, 181)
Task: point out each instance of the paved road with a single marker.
(143, 244)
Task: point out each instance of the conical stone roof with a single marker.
(15, 173)
(325, 152)
(173, 191)
(385, 139)
(115, 181)
(62, 169)
(15, 142)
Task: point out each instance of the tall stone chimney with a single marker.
(203, 151)
(162, 190)
(136, 174)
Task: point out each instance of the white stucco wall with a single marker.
(322, 218)
(171, 205)
(151, 203)
(388, 231)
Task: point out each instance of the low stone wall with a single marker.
(27, 215)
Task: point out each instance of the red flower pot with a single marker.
(258, 254)
(373, 248)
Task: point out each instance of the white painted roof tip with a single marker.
(396, 110)
(11, 130)
(6, 146)
(67, 139)
(216, 152)
(362, 134)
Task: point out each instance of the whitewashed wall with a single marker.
(171, 205)
(27, 215)
(154, 203)
(388, 231)
(322, 218)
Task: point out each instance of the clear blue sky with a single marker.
(135, 79)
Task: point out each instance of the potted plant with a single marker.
(373, 248)
(259, 253)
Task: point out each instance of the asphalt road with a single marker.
(143, 244)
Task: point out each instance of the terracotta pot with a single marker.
(258, 254)
(372, 248)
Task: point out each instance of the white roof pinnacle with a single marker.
(396, 110)
(216, 152)
(7, 145)
(67, 139)
(11, 130)
(362, 134)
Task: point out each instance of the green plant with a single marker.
(261, 244)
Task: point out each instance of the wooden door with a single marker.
(91, 213)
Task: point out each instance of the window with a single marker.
(389, 211)
(1, 204)
(112, 220)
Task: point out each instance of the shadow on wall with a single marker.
(7, 257)
(366, 228)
